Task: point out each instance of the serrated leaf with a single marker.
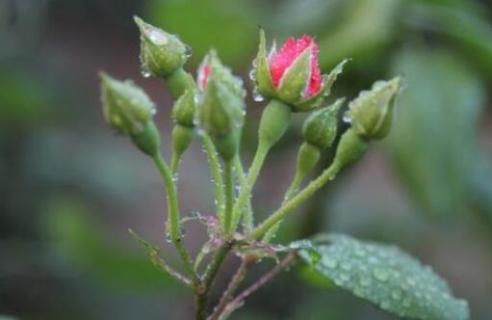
(385, 276)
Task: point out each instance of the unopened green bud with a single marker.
(161, 53)
(320, 128)
(371, 113)
(184, 109)
(350, 148)
(128, 110)
(220, 110)
(126, 107)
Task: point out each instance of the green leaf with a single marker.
(385, 276)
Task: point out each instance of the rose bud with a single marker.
(292, 74)
(320, 128)
(128, 110)
(220, 109)
(161, 53)
(371, 113)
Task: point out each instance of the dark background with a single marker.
(70, 188)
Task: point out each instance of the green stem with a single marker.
(248, 183)
(173, 223)
(208, 278)
(215, 172)
(327, 175)
(178, 82)
(174, 164)
(229, 195)
(248, 219)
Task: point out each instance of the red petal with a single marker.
(291, 49)
(315, 80)
(203, 75)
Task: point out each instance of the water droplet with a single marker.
(257, 95)
(346, 118)
(144, 70)
(346, 266)
(330, 263)
(396, 294)
(381, 274)
(188, 51)
(365, 281)
(157, 37)
(168, 238)
(252, 74)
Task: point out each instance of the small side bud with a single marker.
(128, 110)
(320, 128)
(371, 113)
(161, 53)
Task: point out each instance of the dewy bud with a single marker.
(221, 107)
(220, 110)
(292, 74)
(161, 53)
(129, 111)
(320, 128)
(126, 107)
(371, 112)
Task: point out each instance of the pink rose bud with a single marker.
(291, 50)
(292, 74)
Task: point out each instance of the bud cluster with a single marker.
(213, 104)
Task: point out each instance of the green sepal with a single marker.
(184, 109)
(182, 136)
(148, 140)
(350, 148)
(161, 53)
(320, 128)
(371, 112)
(327, 83)
(126, 107)
(261, 71)
(294, 81)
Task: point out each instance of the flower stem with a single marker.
(208, 278)
(248, 219)
(229, 195)
(215, 172)
(297, 200)
(248, 183)
(174, 163)
(173, 223)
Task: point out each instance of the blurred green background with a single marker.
(70, 188)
